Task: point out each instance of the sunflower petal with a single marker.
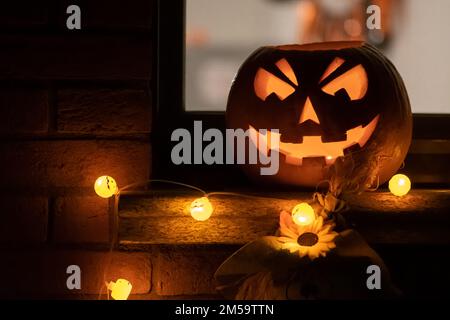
(289, 245)
(286, 239)
(331, 245)
(302, 252)
(319, 222)
(327, 238)
(325, 229)
(287, 225)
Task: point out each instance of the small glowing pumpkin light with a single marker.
(303, 214)
(201, 209)
(399, 185)
(105, 187)
(120, 290)
(328, 101)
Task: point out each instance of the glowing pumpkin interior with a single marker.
(325, 101)
(352, 82)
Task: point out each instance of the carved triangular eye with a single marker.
(266, 83)
(285, 67)
(353, 81)
(334, 65)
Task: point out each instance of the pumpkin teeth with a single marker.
(313, 147)
(294, 160)
(341, 137)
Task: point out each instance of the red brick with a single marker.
(24, 14)
(98, 267)
(72, 164)
(76, 56)
(22, 274)
(188, 270)
(81, 219)
(23, 110)
(24, 219)
(43, 273)
(104, 110)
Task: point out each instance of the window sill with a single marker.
(149, 218)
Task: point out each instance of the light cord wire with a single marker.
(112, 242)
(113, 239)
(142, 183)
(115, 217)
(220, 193)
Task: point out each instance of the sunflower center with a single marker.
(307, 239)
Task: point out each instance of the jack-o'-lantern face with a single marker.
(340, 88)
(326, 101)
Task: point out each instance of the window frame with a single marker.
(169, 105)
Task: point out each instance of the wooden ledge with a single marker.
(162, 217)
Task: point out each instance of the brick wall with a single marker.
(74, 105)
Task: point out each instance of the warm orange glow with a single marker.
(322, 46)
(284, 66)
(303, 214)
(312, 146)
(201, 209)
(337, 62)
(308, 113)
(105, 186)
(399, 185)
(120, 290)
(329, 160)
(266, 83)
(354, 81)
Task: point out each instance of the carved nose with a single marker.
(308, 113)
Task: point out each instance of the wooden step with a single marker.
(162, 217)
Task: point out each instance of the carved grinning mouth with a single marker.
(312, 146)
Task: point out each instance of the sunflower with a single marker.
(313, 240)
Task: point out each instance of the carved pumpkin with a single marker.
(329, 101)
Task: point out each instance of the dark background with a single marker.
(74, 105)
(78, 104)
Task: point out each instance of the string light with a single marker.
(303, 214)
(105, 186)
(120, 290)
(201, 209)
(399, 185)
